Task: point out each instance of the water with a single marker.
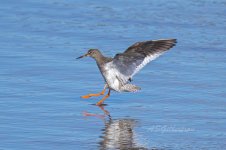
(183, 97)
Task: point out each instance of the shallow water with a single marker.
(183, 98)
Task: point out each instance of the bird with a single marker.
(119, 70)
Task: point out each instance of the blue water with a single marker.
(182, 104)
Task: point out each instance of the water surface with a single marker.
(182, 102)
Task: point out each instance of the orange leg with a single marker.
(98, 94)
(103, 99)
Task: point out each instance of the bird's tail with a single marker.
(130, 88)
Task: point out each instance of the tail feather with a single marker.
(130, 88)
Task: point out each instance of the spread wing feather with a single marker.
(139, 54)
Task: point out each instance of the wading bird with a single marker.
(118, 71)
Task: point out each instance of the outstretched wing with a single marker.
(139, 54)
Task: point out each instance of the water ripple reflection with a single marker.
(117, 133)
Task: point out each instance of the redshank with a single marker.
(118, 71)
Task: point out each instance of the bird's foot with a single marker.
(97, 94)
(91, 95)
(85, 96)
(103, 99)
(99, 103)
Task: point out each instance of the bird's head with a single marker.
(94, 53)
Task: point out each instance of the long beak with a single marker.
(82, 56)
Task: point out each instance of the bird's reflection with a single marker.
(117, 133)
(106, 114)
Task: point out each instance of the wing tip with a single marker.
(169, 42)
(173, 40)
